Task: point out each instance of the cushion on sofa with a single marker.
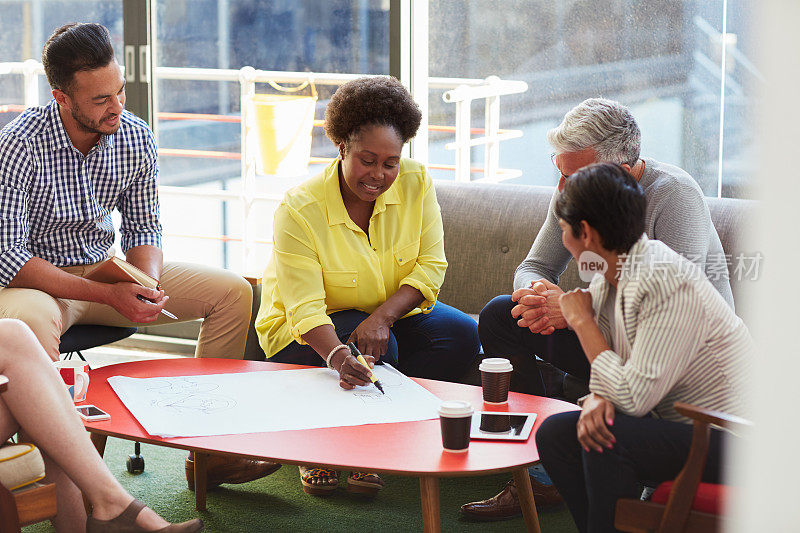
(488, 231)
(20, 465)
(730, 218)
(252, 349)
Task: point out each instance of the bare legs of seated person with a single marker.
(36, 405)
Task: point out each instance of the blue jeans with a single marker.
(501, 337)
(647, 449)
(439, 345)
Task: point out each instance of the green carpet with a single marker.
(277, 503)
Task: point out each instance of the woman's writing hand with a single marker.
(351, 372)
(372, 336)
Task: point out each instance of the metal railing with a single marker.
(30, 70)
(461, 91)
(491, 90)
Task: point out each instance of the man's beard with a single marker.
(90, 126)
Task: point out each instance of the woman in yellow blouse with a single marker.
(359, 256)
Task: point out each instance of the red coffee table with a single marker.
(403, 448)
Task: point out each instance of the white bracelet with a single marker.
(335, 349)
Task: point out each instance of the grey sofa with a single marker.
(489, 229)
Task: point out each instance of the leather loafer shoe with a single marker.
(220, 469)
(506, 504)
(545, 495)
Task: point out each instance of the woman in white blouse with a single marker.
(655, 331)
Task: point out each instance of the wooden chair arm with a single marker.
(710, 416)
(253, 280)
(3, 382)
(684, 488)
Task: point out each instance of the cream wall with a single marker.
(769, 465)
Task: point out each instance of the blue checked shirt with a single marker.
(56, 203)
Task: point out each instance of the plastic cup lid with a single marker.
(496, 364)
(455, 408)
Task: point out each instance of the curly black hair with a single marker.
(373, 100)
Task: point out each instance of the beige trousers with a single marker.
(221, 298)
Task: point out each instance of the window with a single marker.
(26, 25)
(662, 58)
(321, 36)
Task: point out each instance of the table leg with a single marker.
(429, 492)
(523, 482)
(99, 442)
(200, 463)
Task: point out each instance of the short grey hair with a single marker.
(605, 125)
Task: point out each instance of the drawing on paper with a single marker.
(371, 398)
(184, 395)
(223, 404)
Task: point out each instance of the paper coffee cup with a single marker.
(455, 417)
(75, 377)
(495, 379)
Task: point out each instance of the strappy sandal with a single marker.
(310, 474)
(125, 522)
(368, 483)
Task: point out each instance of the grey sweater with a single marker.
(677, 215)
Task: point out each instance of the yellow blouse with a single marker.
(322, 262)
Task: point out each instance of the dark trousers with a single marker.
(442, 344)
(647, 449)
(501, 337)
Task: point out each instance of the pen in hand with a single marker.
(163, 311)
(360, 358)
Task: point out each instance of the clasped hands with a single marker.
(544, 307)
(538, 307)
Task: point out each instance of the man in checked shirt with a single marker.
(64, 167)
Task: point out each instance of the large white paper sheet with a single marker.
(251, 402)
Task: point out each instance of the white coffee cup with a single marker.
(76, 378)
(455, 418)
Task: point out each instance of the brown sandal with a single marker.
(309, 474)
(126, 523)
(368, 483)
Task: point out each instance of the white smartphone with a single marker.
(91, 413)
